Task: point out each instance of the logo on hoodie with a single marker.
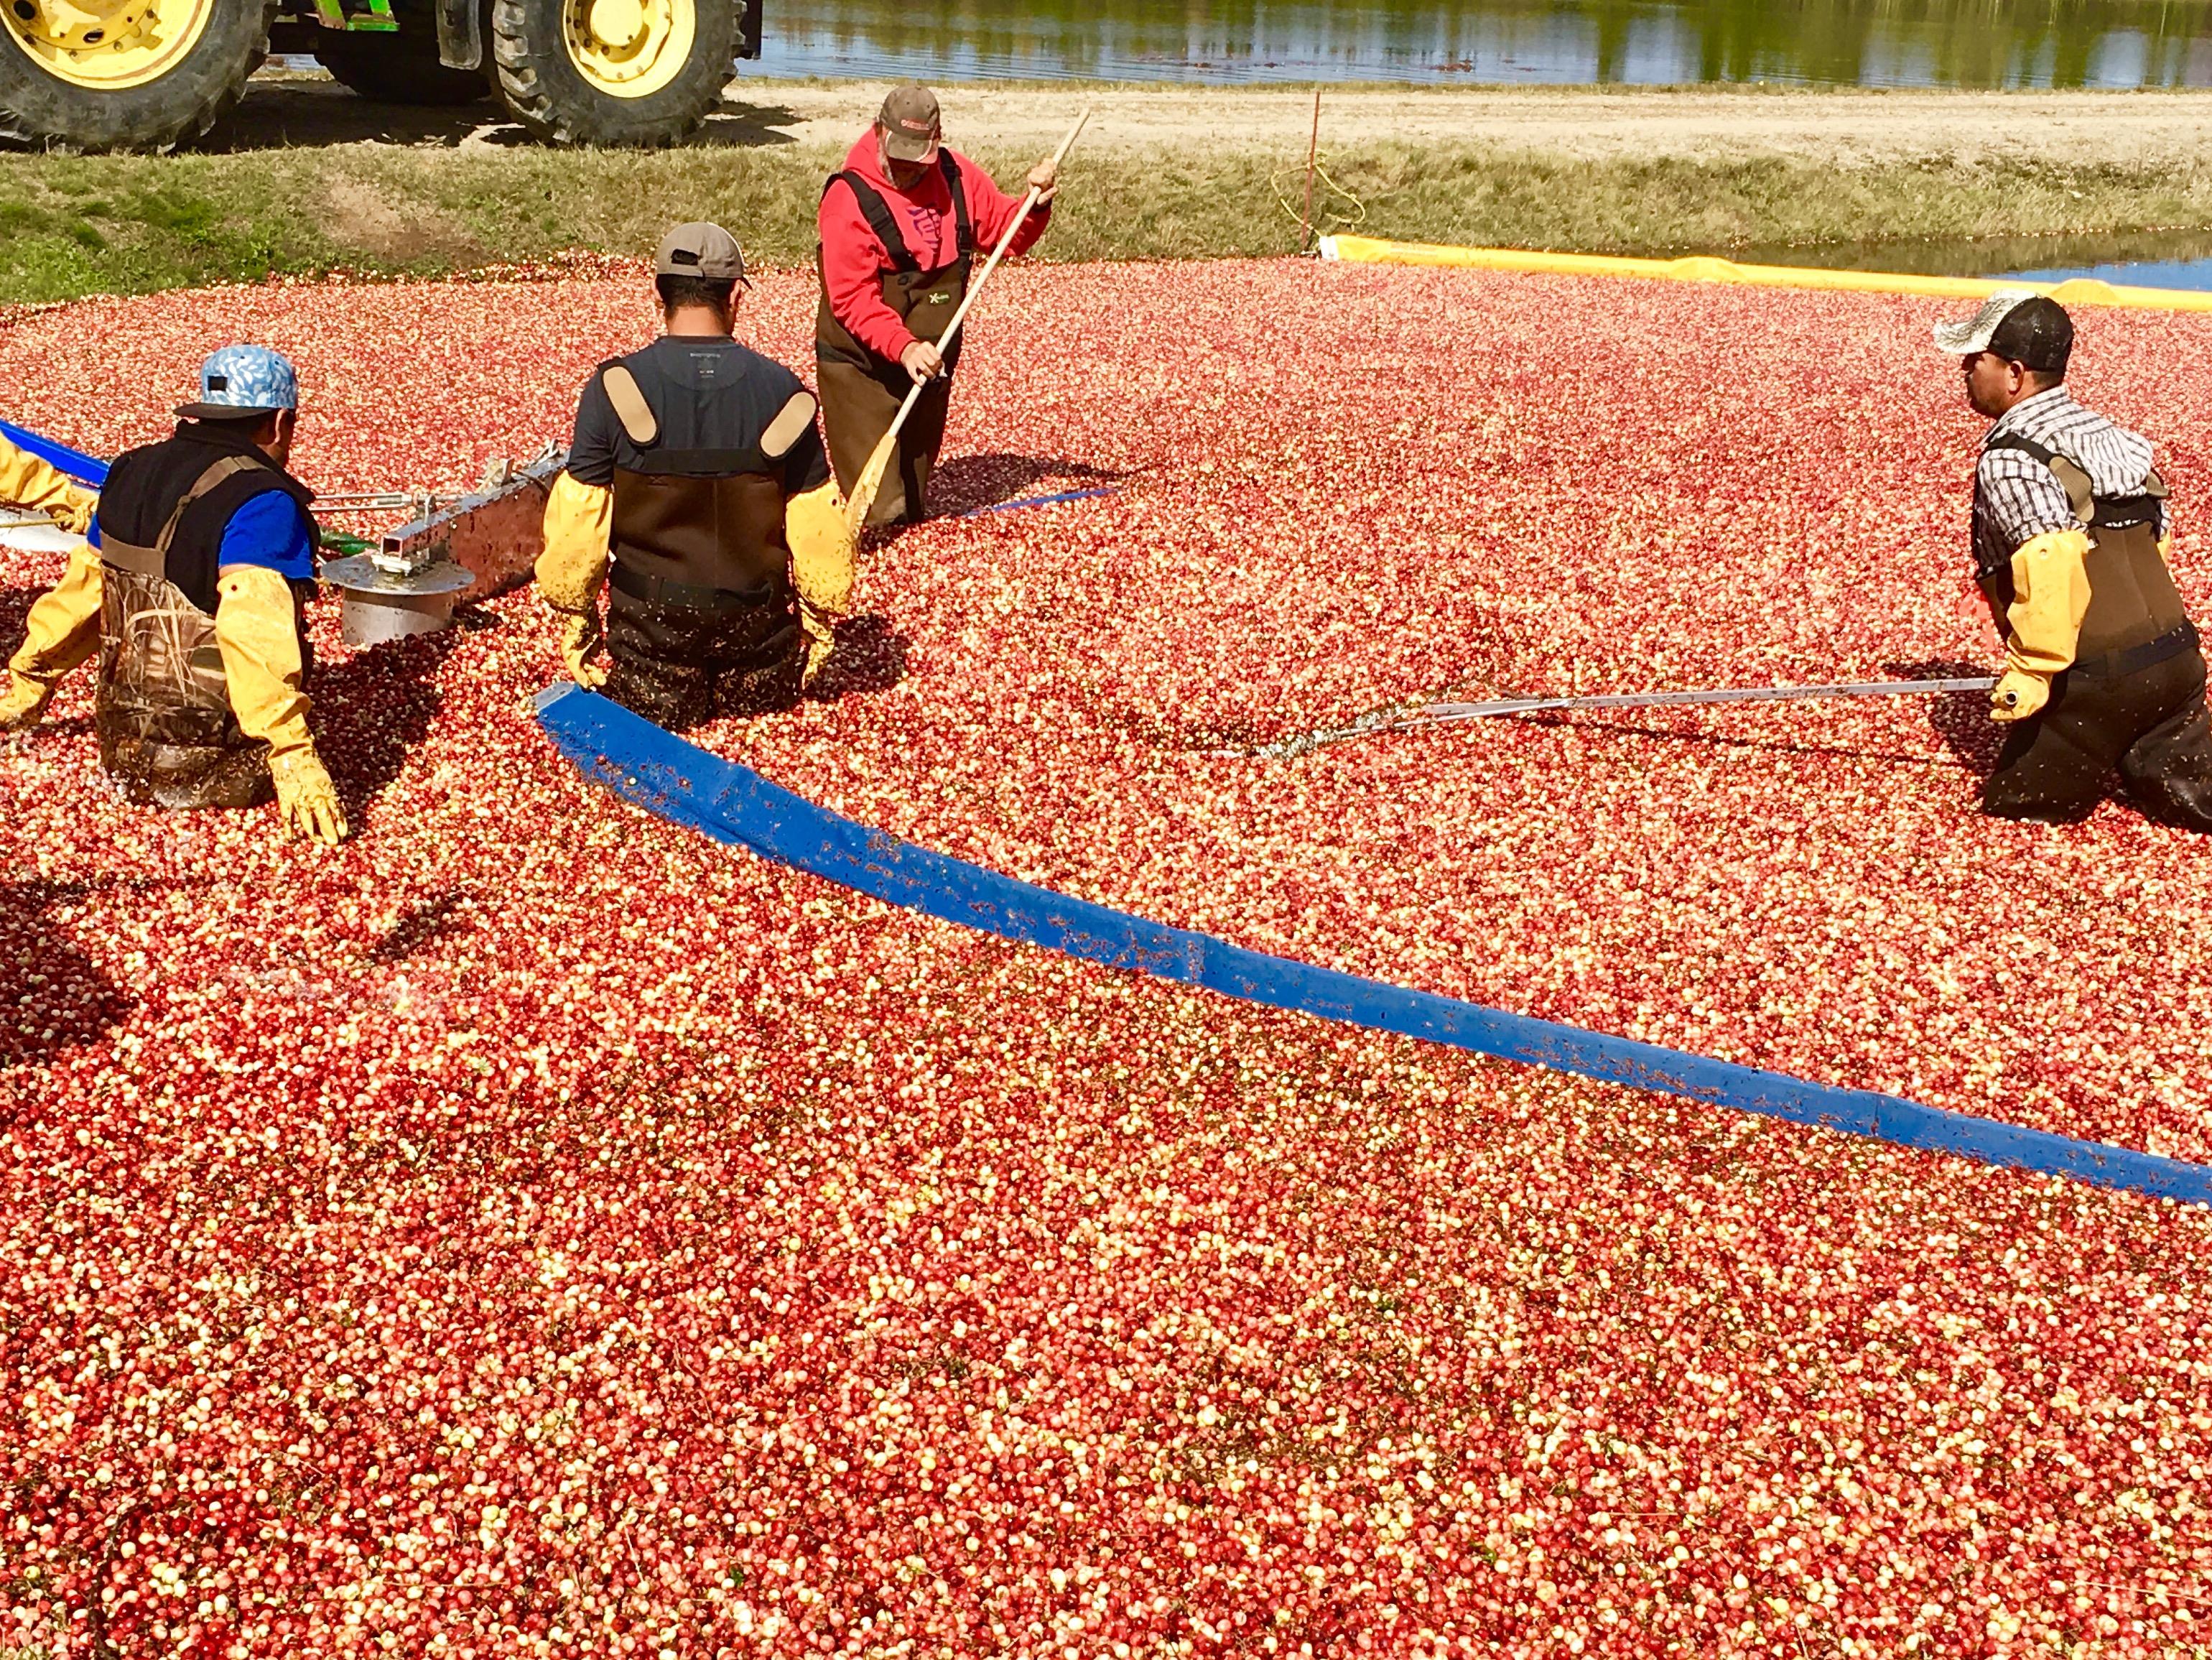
(927, 240)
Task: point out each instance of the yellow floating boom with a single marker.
(1704, 268)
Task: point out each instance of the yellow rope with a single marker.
(1296, 171)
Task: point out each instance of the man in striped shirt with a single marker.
(2071, 538)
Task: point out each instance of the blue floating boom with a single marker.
(85, 469)
(685, 785)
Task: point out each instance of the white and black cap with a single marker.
(2019, 325)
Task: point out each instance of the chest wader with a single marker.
(2135, 696)
(702, 618)
(162, 706)
(861, 391)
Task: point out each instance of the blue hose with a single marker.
(685, 785)
(84, 468)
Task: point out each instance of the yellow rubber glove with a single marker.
(822, 542)
(255, 626)
(29, 482)
(62, 630)
(579, 521)
(580, 638)
(579, 525)
(306, 798)
(2050, 597)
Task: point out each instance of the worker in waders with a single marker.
(697, 491)
(900, 226)
(2071, 537)
(28, 482)
(189, 587)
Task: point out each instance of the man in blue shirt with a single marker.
(189, 587)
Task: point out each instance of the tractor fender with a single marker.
(460, 34)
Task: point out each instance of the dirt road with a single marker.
(1847, 125)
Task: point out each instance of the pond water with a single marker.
(1885, 42)
(2195, 274)
(2151, 260)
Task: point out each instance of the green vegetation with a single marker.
(76, 225)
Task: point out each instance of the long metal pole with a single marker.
(1313, 152)
(1438, 714)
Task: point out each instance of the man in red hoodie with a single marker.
(900, 225)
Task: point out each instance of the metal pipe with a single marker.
(1437, 714)
(1312, 153)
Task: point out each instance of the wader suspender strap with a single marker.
(154, 562)
(631, 407)
(2089, 509)
(877, 213)
(964, 229)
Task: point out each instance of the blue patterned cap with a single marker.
(243, 380)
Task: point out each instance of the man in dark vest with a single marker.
(900, 226)
(697, 491)
(190, 588)
(2071, 538)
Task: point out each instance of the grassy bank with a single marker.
(73, 225)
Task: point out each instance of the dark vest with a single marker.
(145, 486)
(162, 705)
(924, 300)
(2135, 619)
(697, 529)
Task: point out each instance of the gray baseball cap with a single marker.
(912, 126)
(699, 249)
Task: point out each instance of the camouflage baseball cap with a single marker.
(242, 380)
(699, 249)
(2019, 325)
(912, 127)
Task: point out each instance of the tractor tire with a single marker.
(176, 103)
(565, 85)
(400, 68)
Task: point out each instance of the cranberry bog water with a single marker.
(533, 1228)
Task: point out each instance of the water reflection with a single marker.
(1965, 43)
(2175, 254)
(2194, 274)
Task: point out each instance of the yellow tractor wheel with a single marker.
(110, 44)
(125, 73)
(628, 48)
(616, 72)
